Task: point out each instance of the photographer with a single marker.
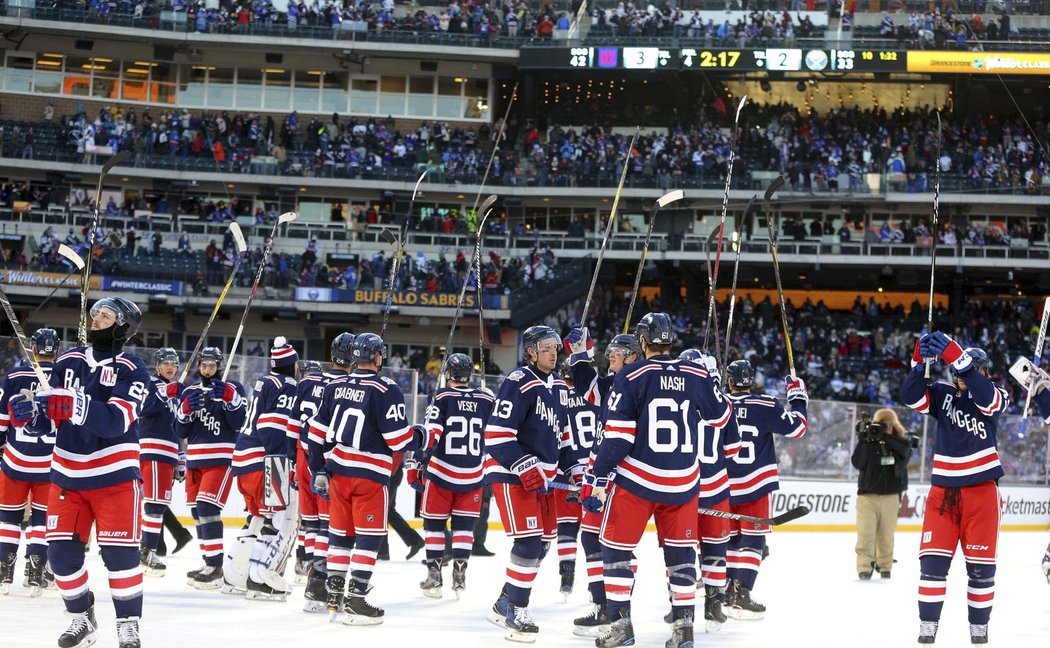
(881, 456)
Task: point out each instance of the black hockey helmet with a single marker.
(45, 342)
(627, 342)
(309, 366)
(740, 374)
(980, 359)
(459, 367)
(129, 317)
(655, 328)
(341, 349)
(692, 355)
(365, 347)
(166, 354)
(211, 354)
(533, 335)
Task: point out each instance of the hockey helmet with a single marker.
(980, 359)
(341, 349)
(309, 366)
(740, 374)
(533, 335)
(365, 347)
(166, 354)
(211, 354)
(692, 355)
(459, 367)
(655, 328)
(45, 342)
(128, 317)
(627, 343)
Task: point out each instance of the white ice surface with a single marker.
(808, 584)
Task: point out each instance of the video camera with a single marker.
(869, 431)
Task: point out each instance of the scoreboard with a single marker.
(832, 61)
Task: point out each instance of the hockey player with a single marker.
(650, 448)
(25, 472)
(717, 446)
(753, 476)
(963, 503)
(92, 406)
(522, 439)
(623, 350)
(209, 416)
(452, 476)
(161, 456)
(1041, 398)
(266, 448)
(364, 415)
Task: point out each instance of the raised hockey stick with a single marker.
(78, 264)
(608, 227)
(481, 306)
(483, 214)
(712, 314)
(106, 168)
(722, 224)
(286, 217)
(1036, 358)
(776, 273)
(933, 237)
(661, 202)
(242, 247)
(23, 341)
(399, 253)
(739, 245)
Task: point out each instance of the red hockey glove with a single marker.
(950, 351)
(530, 473)
(171, 390)
(413, 472)
(21, 409)
(922, 344)
(66, 405)
(225, 392)
(796, 389)
(192, 401)
(180, 470)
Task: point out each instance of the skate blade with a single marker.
(230, 590)
(5, 588)
(433, 593)
(358, 620)
(497, 620)
(315, 607)
(35, 591)
(565, 596)
(208, 587)
(458, 592)
(713, 627)
(89, 640)
(154, 573)
(277, 597)
(333, 616)
(743, 615)
(590, 631)
(520, 637)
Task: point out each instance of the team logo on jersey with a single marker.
(531, 523)
(928, 536)
(477, 498)
(688, 533)
(109, 376)
(517, 374)
(564, 395)
(52, 521)
(371, 518)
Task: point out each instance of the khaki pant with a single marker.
(876, 523)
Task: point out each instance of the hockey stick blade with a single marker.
(238, 237)
(669, 197)
(415, 190)
(119, 158)
(388, 236)
(773, 187)
(487, 205)
(743, 100)
(287, 217)
(73, 257)
(789, 516)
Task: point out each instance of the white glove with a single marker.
(796, 389)
(711, 365)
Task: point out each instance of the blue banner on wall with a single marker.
(142, 285)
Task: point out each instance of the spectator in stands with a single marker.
(184, 244)
(157, 239)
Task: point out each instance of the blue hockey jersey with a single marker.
(211, 432)
(363, 415)
(104, 449)
(527, 419)
(580, 432)
(455, 423)
(27, 456)
(270, 427)
(651, 424)
(157, 438)
(753, 468)
(309, 393)
(587, 382)
(965, 450)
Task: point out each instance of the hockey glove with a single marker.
(180, 469)
(578, 344)
(414, 477)
(592, 495)
(1042, 403)
(576, 475)
(192, 401)
(319, 484)
(171, 390)
(65, 405)
(796, 389)
(422, 438)
(21, 409)
(950, 351)
(227, 393)
(1046, 565)
(711, 365)
(530, 473)
(921, 351)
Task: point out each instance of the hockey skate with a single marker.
(334, 587)
(620, 633)
(193, 572)
(302, 571)
(927, 632)
(128, 633)
(257, 591)
(81, 630)
(498, 614)
(594, 624)
(714, 617)
(520, 626)
(432, 585)
(978, 633)
(459, 577)
(209, 578)
(358, 611)
(49, 578)
(681, 633)
(150, 565)
(567, 570)
(35, 575)
(739, 605)
(7, 572)
(315, 594)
